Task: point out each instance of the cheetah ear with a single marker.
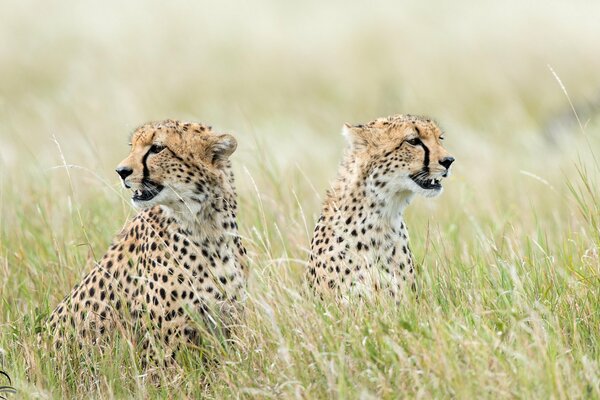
(356, 136)
(222, 147)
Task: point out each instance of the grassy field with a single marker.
(509, 255)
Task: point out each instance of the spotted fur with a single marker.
(360, 243)
(180, 258)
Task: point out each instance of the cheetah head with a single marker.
(400, 154)
(176, 164)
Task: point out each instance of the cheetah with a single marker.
(179, 258)
(360, 243)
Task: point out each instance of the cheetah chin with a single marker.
(427, 185)
(147, 191)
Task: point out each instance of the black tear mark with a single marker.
(426, 160)
(146, 171)
(145, 158)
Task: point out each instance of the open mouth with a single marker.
(147, 192)
(427, 183)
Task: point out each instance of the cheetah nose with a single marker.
(447, 162)
(124, 172)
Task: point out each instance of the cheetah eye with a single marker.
(442, 138)
(156, 148)
(413, 141)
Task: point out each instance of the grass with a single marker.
(509, 255)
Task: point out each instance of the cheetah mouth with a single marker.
(147, 192)
(427, 183)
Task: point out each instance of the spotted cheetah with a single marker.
(360, 244)
(181, 256)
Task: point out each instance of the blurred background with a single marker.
(508, 255)
(77, 77)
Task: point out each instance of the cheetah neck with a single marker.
(352, 194)
(211, 219)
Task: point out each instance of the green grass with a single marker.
(505, 309)
(509, 255)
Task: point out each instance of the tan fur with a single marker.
(360, 244)
(179, 259)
